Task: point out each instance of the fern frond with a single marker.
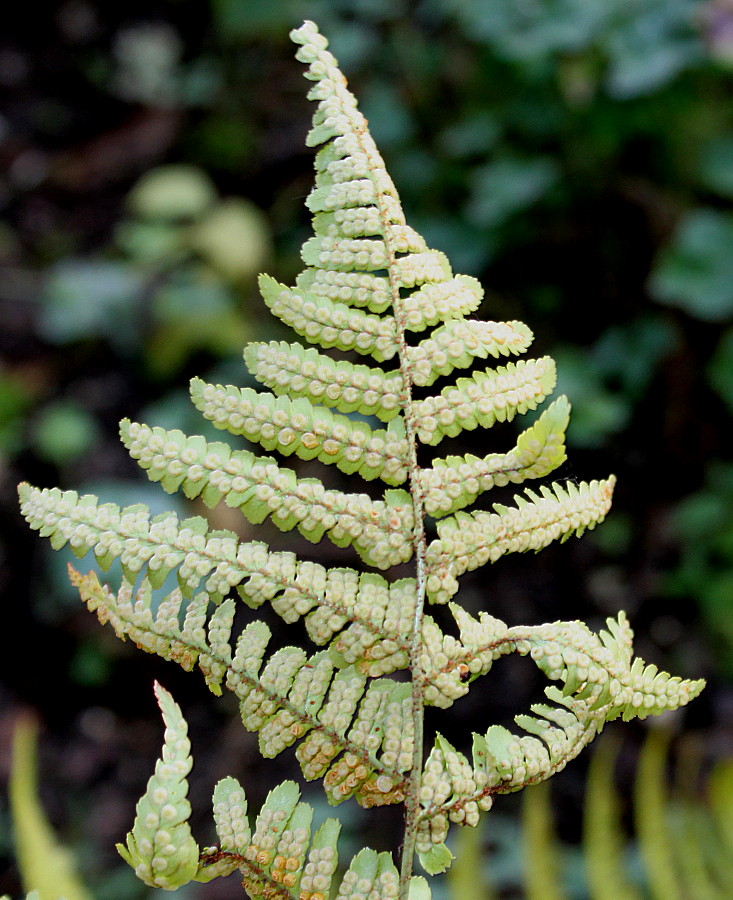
(600, 683)
(453, 298)
(371, 614)
(357, 737)
(458, 343)
(370, 282)
(308, 431)
(599, 668)
(293, 370)
(455, 790)
(457, 481)
(486, 397)
(379, 530)
(160, 847)
(467, 541)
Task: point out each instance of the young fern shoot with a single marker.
(370, 285)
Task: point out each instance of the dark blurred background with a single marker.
(575, 155)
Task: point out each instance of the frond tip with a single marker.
(160, 847)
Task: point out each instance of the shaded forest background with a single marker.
(575, 155)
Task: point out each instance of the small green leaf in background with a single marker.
(63, 431)
(695, 272)
(716, 165)
(172, 192)
(89, 299)
(234, 238)
(45, 866)
(507, 186)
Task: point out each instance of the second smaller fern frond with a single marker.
(160, 847)
(280, 858)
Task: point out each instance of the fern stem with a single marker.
(412, 792)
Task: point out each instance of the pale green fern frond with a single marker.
(467, 541)
(370, 615)
(279, 858)
(370, 286)
(160, 847)
(308, 431)
(379, 530)
(457, 481)
(297, 371)
(355, 735)
(600, 683)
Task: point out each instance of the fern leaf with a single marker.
(370, 282)
(593, 670)
(600, 683)
(370, 874)
(160, 847)
(293, 370)
(484, 398)
(468, 541)
(310, 432)
(458, 343)
(452, 298)
(372, 614)
(359, 739)
(457, 481)
(379, 530)
(330, 324)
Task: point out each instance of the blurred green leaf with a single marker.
(716, 165)
(542, 852)
(63, 431)
(696, 271)
(234, 238)
(509, 185)
(150, 243)
(171, 193)
(474, 135)
(650, 43)
(89, 299)
(597, 411)
(238, 19)
(466, 877)
(523, 31)
(193, 311)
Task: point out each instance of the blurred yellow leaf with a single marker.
(45, 866)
